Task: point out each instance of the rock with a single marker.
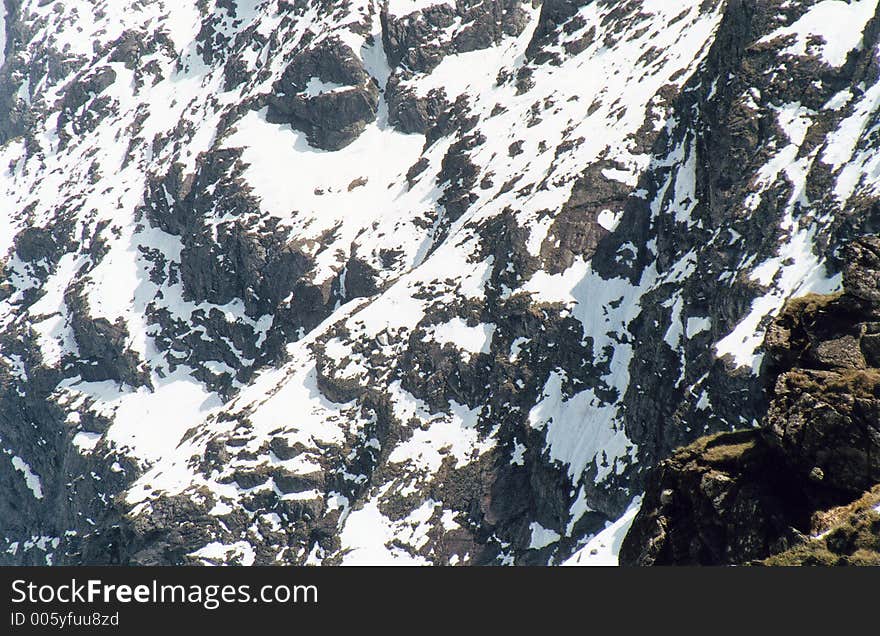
(410, 113)
(83, 104)
(406, 39)
(830, 421)
(576, 231)
(733, 503)
(104, 353)
(607, 337)
(870, 345)
(335, 113)
(418, 41)
(843, 352)
(35, 244)
(360, 279)
(746, 496)
(848, 535)
(861, 277)
(553, 14)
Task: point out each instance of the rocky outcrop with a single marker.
(83, 103)
(419, 41)
(554, 13)
(409, 112)
(326, 93)
(745, 496)
(722, 500)
(103, 348)
(846, 535)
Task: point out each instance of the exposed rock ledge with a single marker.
(793, 491)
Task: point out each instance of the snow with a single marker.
(148, 424)
(583, 429)
(517, 458)
(802, 274)
(516, 347)
(86, 441)
(673, 334)
(697, 325)
(840, 24)
(839, 100)
(442, 435)
(215, 552)
(50, 313)
(476, 339)
(541, 536)
(603, 549)
(407, 7)
(365, 537)
(609, 219)
(796, 269)
(30, 477)
(842, 150)
(325, 195)
(356, 202)
(686, 187)
(314, 417)
(316, 86)
(580, 429)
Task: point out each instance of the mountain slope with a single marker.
(802, 487)
(361, 282)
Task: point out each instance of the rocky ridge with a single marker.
(794, 489)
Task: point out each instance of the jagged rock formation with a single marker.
(847, 535)
(349, 281)
(745, 496)
(325, 92)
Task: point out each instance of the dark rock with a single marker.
(831, 421)
(82, 106)
(360, 279)
(861, 277)
(848, 536)
(576, 231)
(104, 353)
(413, 41)
(721, 501)
(554, 13)
(35, 244)
(332, 119)
(410, 113)
(746, 496)
(418, 43)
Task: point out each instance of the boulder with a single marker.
(326, 93)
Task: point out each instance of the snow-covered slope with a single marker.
(406, 282)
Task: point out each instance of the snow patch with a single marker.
(216, 553)
(541, 536)
(476, 339)
(85, 441)
(407, 7)
(840, 24)
(367, 533)
(603, 549)
(30, 477)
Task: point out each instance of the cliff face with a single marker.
(787, 489)
(347, 281)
